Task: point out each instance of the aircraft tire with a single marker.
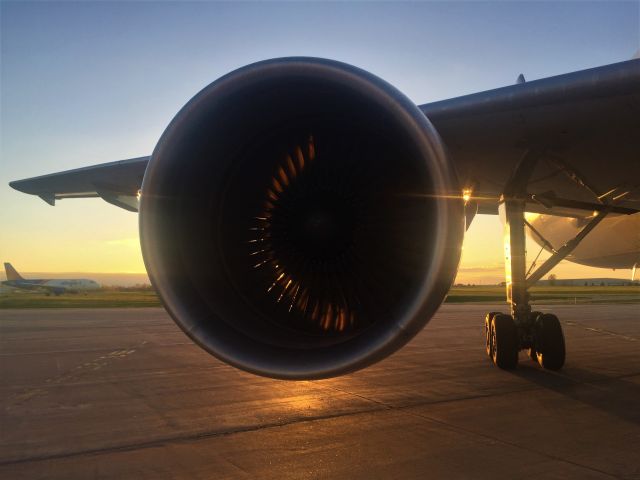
(487, 332)
(550, 340)
(505, 341)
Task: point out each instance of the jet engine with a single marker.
(300, 220)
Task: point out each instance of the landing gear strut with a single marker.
(540, 333)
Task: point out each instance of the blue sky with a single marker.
(85, 83)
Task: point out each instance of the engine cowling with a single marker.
(296, 219)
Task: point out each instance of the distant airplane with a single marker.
(57, 286)
(301, 218)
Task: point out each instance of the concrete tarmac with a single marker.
(123, 393)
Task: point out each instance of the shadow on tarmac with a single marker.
(610, 394)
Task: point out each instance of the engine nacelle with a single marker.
(296, 219)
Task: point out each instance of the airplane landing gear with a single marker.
(544, 340)
(540, 333)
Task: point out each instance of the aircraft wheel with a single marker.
(487, 332)
(550, 342)
(504, 337)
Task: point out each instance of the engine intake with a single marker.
(296, 219)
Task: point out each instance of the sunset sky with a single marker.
(85, 83)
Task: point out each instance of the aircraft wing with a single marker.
(116, 182)
(585, 124)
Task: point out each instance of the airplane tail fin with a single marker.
(11, 272)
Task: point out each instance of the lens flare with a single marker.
(466, 194)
